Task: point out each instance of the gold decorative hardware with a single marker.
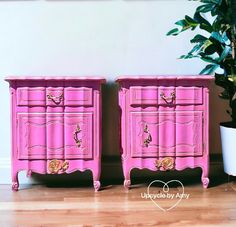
(64, 166)
(149, 136)
(170, 99)
(77, 140)
(54, 166)
(165, 164)
(56, 99)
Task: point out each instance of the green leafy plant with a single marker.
(216, 45)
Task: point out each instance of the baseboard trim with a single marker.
(5, 171)
(5, 163)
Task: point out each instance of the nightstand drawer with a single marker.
(153, 95)
(31, 96)
(180, 96)
(81, 96)
(54, 96)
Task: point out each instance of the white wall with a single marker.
(108, 38)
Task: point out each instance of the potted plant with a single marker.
(216, 45)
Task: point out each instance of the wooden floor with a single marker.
(113, 206)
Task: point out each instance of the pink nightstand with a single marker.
(164, 123)
(56, 125)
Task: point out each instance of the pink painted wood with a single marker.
(56, 125)
(164, 123)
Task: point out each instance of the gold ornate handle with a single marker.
(77, 140)
(165, 164)
(56, 99)
(55, 166)
(149, 136)
(170, 99)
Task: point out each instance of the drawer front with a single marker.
(54, 96)
(50, 136)
(31, 96)
(159, 134)
(144, 95)
(180, 96)
(82, 96)
(153, 95)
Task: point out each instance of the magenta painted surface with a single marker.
(173, 134)
(45, 114)
(164, 116)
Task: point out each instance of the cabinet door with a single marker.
(78, 136)
(156, 134)
(40, 136)
(49, 136)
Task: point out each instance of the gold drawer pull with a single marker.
(170, 99)
(77, 140)
(56, 99)
(55, 166)
(149, 136)
(165, 164)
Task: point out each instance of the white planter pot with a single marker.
(228, 141)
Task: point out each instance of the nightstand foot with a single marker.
(205, 182)
(127, 184)
(96, 185)
(15, 186)
(29, 173)
(15, 181)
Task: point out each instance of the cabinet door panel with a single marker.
(78, 136)
(144, 134)
(155, 134)
(40, 136)
(167, 133)
(31, 136)
(189, 133)
(55, 136)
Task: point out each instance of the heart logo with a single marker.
(166, 190)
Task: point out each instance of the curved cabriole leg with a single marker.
(127, 181)
(96, 185)
(205, 179)
(15, 181)
(29, 173)
(96, 182)
(127, 184)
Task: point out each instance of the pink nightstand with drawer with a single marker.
(164, 123)
(56, 125)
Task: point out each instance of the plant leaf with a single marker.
(211, 49)
(221, 38)
(191, 21)
(211, 1)
(204, 24)
(198, 38)
(209, 69)
(188, 56)
(196, 48)
(182, 23)
(225, 53)
(174, 31)
(205, 8)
